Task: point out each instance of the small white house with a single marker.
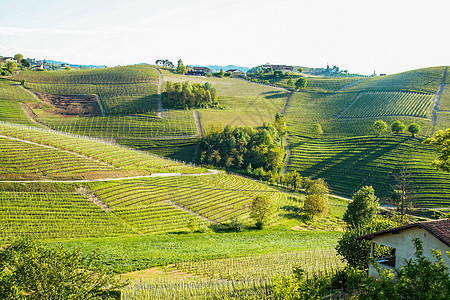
(433, 234)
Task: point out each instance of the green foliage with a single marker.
(261, 209)
(417, 278)
(317, 130)
(297, 287)
(11, 66)
(25, 63)
(413, 128)
(293, 180)
(239, 147)
(316, 201)
(398, 126)
(181, 69)
(357, 252)
(363, 209)
(300, 83)
(441, 142)
(379, 126)
(33, 270)
(18, 58)
(186, 95)
(315, 205)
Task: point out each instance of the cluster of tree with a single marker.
(316, 200)
(33, 270)
(441, 142)
(255, 150)
(9, 67)
(189, 95)
(268, 76)
(397, 127)
(164, 63)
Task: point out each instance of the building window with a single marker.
(387, 256)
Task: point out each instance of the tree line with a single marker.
(189, 95)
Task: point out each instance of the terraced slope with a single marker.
(122, 90)
(349, 155)
(162, 204)
(48, 214)
(55, 155)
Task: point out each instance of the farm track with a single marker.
(350, 85)
(437, 100)
(198, 123)
(160, 83)
(211, 172)
(288, 156)
(348, 106)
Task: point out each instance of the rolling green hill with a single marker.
(349, 155)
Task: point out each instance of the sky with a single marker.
(358, 36)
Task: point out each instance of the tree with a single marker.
(300, 70)
(315, 205)
(11, 66)
(317, 129)
(441, 141)
(25, 63)
(18, 58)
(290, 83)
(403, 191)
(357, 252)
(261, 209)
(221, 73)
(300, 83)
(413, 128)
(363, 209)
(33, 270)
(318, 186)
(398, 126)
(181, 69)
(379, 126)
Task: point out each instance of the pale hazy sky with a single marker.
(361, 36)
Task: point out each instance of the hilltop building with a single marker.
(433, 234)
(283, 68)
(235, 72)
(197, 71)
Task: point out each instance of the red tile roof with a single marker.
(440, 229)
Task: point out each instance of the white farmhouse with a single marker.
(433, 234)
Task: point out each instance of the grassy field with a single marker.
(243, 103)
(125, 254)
(11, 97)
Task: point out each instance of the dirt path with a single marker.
(283, 112)
(198, 123)
(348, 106)
(211, 172)
(288, 156)
(100, 104)
(160, 83)
(350, 84)
(437, 99)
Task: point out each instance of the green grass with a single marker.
(244, 103)
(125, 254)
(422, 80)
(11, 96)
